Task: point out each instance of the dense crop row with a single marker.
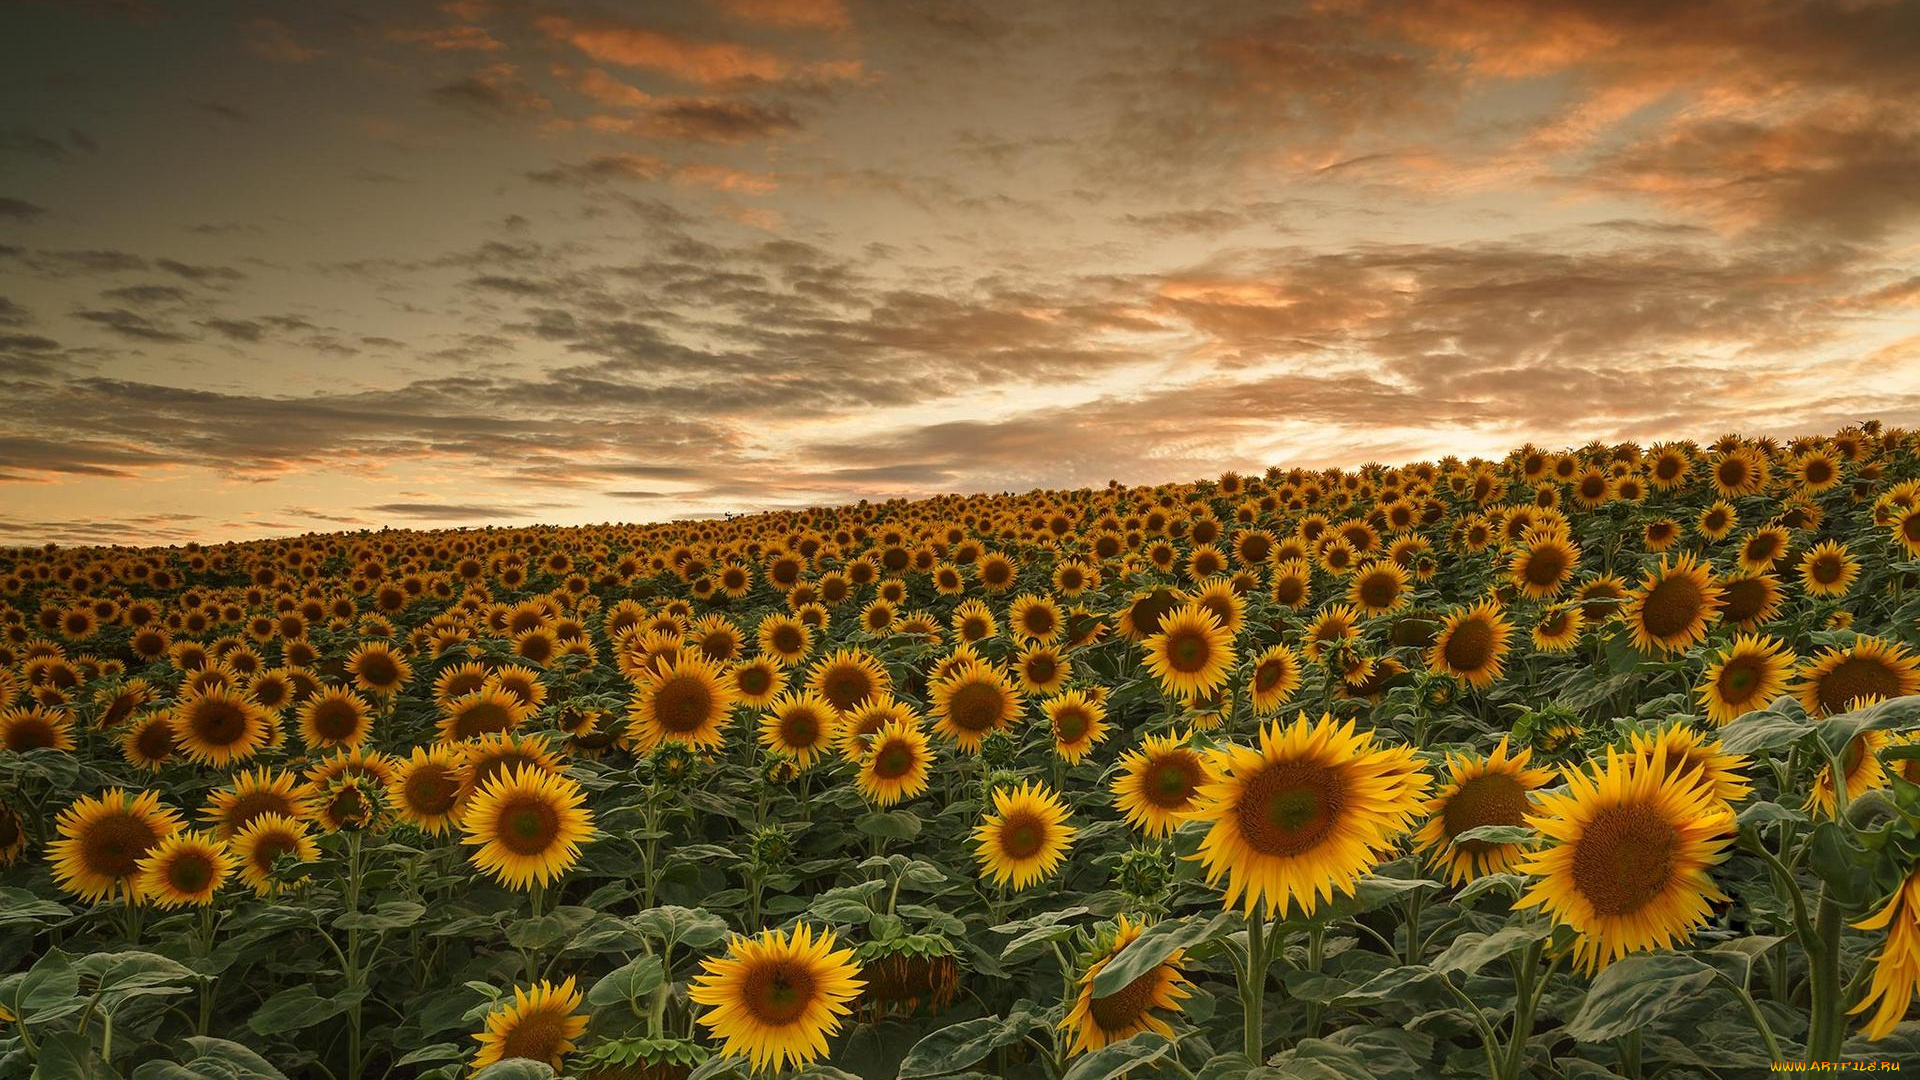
(1573, 765)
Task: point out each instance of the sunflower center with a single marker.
(1470, 646)
(528, 826)
(190, 874)
(846, 687)
(1672, 606)
(113, 845)
(682, 704)
(268, 849)
(1487, 799)
(1022, 835)
(785, 639)
(1122, 1010)
(430, 790)
(1041, 669)
(1624, 858)
(155, 742)
(1856, 677)
(536, 1034)
(379, 669)
(1545, 566)
(975, 707)
(1826, 569)
(1172, 779)
(893, 761)
(1269, 675)
(1288, 808)
(1188, 652)
(219, 722)
(1379, 590)
(778, 992)
(1740, 679)
(800, 729)
(1071, 725)
(29, 733)
(336, 720)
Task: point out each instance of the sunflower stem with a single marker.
(1828, 1021)
(1253, 986)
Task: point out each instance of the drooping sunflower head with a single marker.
(1097, 1021)
(1481, 791)
(1304, 814)
(528, 826)
(102, 839)
(972, 702)
(1629, 851)
(775, 998)
(539, 1024)
(1860, 765)
(1026, 836)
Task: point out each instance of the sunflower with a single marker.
(1158, 783)
(377, 669)
(262, 843)
(1192, 654)
(1896, 967)
(1558, 629)
(1748, 675)
(122, 702)
(1141, 617)
(1472, 645)
(1276, 675)
(1098, 1021)
(757, 681)
(1042, 669)
(1292, 584)
(685, 700)
(528, 826)
(425, 789)
(494, 755)
(776, 997)
(1494, 790)
(458, 681)
(102, 839)
(858, 727)
(486, 711)
(1687, 751)
(252, 795)
(1308, 811)
(35, 727)
(1763, 547)
(148, 741)
(1828, 570)
(896, 764)
(185, 869)
(13, 836)
(1718, 521)
(1905, 525)
(1079, 722)
(1034, 619)
(972, 702)
(335, 717)
(846, 677)
(1542, 569)
(1025, 838)
(1749, 601)
(540, 1025)
(972, 621)
(1333, 625)
(1379, 587)
(1864, 772)
(1870, 667)
(1673, 606)
(220, 727)
(1628, 855)
(1741, 471)
(800, 725)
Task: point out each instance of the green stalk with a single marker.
(1253, 986)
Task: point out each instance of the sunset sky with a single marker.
(271, 268)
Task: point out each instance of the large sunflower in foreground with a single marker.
(683, 700)
(1629, 857)
(539, 1024)
(1192, 653)
(102, 840)
(896, 764)
(1868, 668)
(1025, 838)
(1748, 675)
(1472, 645)
(1673, 606)
(528, 826)
(1491, 790)
(775, 998)
(1158, 782)
(1097, 1021)
(1307, 812)
(220, 726)
(185, 869)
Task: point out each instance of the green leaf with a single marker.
(681, 926)
(516, 1069)
(212, 1059)
(21, 906)
(1761, 812)
(1498, 834)
(957, 1046)
(893, 825)
(391, 915)
(1158, 942)
(1511, 884)
(1117, 1059)
(1762, 731)
(1838, 731)
(69, 1055)
(436, 1052)
(1034, 942)
(1472, 951)
(295, 1010)
(627, 983)
(1635, 991)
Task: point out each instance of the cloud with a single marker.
(274, 40)
(143, 295)
(20, 210)
(223, 111)
(464, 38)
(714, 120)
(200, 274)
(493, 92)
(28, 141)
(703, 62)
(132, 325)
(807, 14)
(454, 511)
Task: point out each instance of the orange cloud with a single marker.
(814, 14)
(690, 61)
(449, 39)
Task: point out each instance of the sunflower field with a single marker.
(1569, 766)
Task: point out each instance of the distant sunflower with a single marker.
(1158, 783)
(102, 839)
(802, 726)
(1472, 645)
(486, 711)
(1718, 521)
(528, 827)
(1629, 855)
(846, 677)
(13, 836)
(1079, 721)
(683, 701)
(1192, 654)
(252, 795)
(458, 681)
(1558, 629)
(1276, 675)
(1750, 601)
(148, 741)
(896, 764)
(776, 997)
(1292, 584)
(1746, 676)
(784, 639)
(1492, 790)
(378, 669)
(35, 727)
(262, 843)
(335, 717)
(1304, 814)
(1026, 836)
(1542, 569)
(1097, 1021)
(1042, 669)
(1334, 624)
(1868, 668)
(1035, 619)
(185, 869)
(1379, 587)
(971, 703)
(1763, 547)
(973, 621)
(539, 1024)
(757, 681)
(1828, 570)
(425, 789)
(220, 727)
(1673, 606)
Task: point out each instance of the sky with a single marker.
(271, 268)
